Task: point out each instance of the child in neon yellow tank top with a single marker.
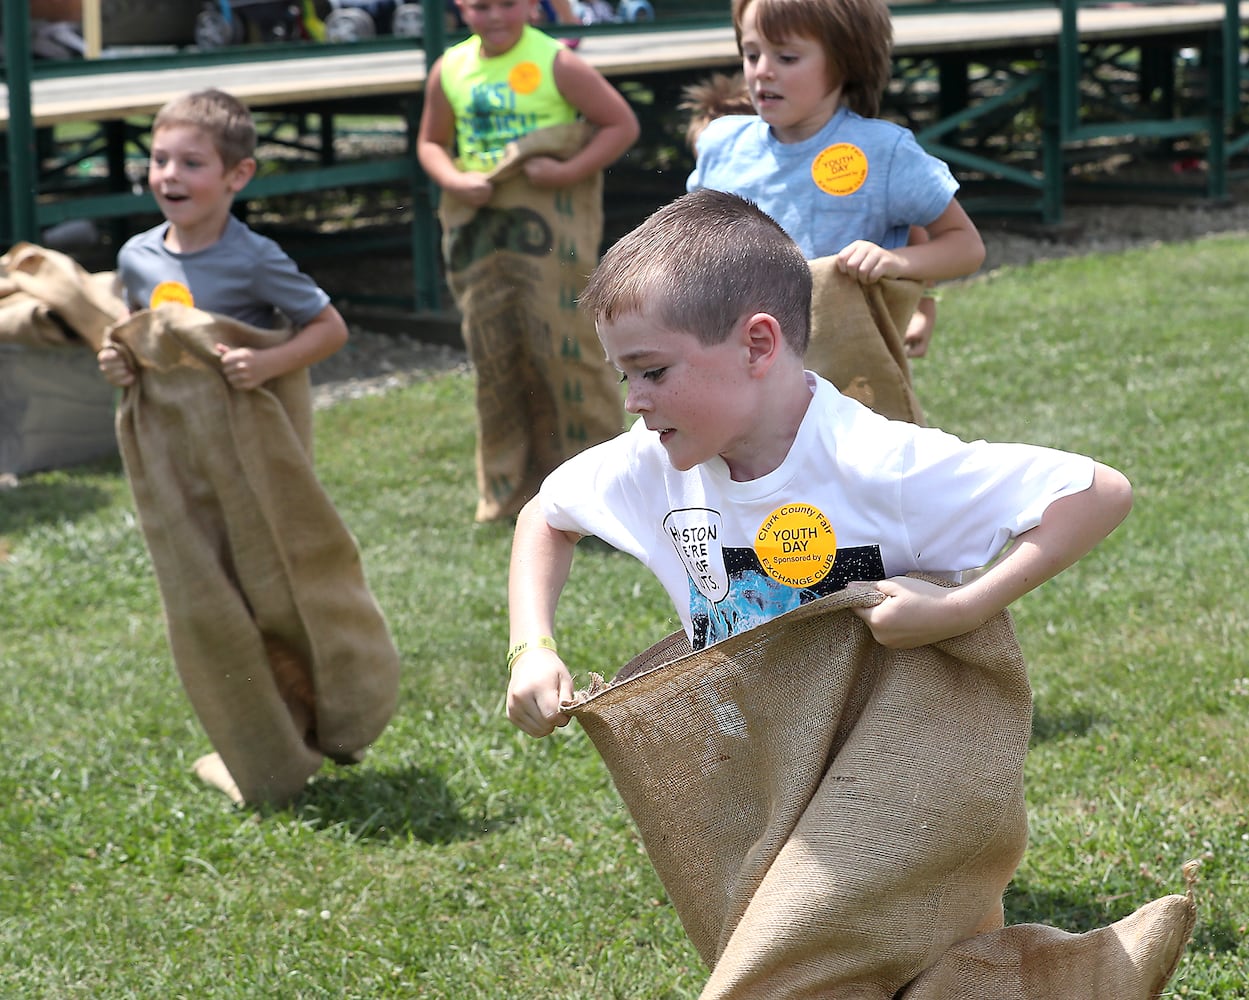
(507, 80)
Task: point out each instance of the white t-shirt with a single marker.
(858, 497)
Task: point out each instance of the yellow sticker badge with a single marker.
(171, 291)
(524, 77)
(796, 545)
(839, 169)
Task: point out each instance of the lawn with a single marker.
(463, 860)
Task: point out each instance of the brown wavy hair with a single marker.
(857, 36)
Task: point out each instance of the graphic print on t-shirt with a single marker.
(730, 589)
(695, 533)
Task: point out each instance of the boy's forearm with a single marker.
(1070, 528)
(438, 163)
(954, 253)
(315, 341)
(541, 562)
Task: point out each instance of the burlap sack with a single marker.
(1131, 959)
(47, 298)
(837, 820)
(277, 639)
(857, 338)
(516, 267)
(828, 816)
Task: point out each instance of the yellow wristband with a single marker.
(542, 642)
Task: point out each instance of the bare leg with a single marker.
(211, 770)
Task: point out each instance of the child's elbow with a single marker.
(975, 252)
(1115, 491)
(335, 331)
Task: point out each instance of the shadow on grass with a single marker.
(1047, 726)
(1078, 911)
(380, 805)
(48, 502)
(1069, 909)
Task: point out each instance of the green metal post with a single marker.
(1069, 68)
(425, 248)
(23, 180)
(1231, 57)
(1217, 71)
(435, 29)
(1053, 130)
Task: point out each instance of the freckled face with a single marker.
(789, 81)
(192, 185)
(687, 392)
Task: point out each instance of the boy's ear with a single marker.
(242, 172)
(764, 341)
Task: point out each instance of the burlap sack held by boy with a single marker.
(281, 648)
(505, 296)
(857, 338)
(833, 819)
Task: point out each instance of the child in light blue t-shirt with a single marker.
(842, 182)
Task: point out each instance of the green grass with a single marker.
(464, 861)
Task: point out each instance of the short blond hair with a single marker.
(702, 263)
(222, 116)
(856, 35)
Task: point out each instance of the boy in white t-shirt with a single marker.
(749, 485)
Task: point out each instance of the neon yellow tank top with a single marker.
(500, 98)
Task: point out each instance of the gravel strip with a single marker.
(374, 362)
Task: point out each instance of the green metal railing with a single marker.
(26, 214)
(1048, 83)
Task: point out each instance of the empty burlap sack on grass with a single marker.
(278, 641)
(47, 298)
(517, 266)
(857, 338)
(828, 816)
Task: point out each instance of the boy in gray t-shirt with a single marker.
(203, 147)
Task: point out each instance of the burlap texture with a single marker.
(857, 338)
(1131, 959)
(827, 815)
(516, 267)
(277, 639)
(46, 298)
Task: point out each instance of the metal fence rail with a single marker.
(1009, 92)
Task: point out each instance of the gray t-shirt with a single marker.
(243, 275)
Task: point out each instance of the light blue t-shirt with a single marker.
(243, 275)
(856, 179)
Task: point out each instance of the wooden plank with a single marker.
(110, 96)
